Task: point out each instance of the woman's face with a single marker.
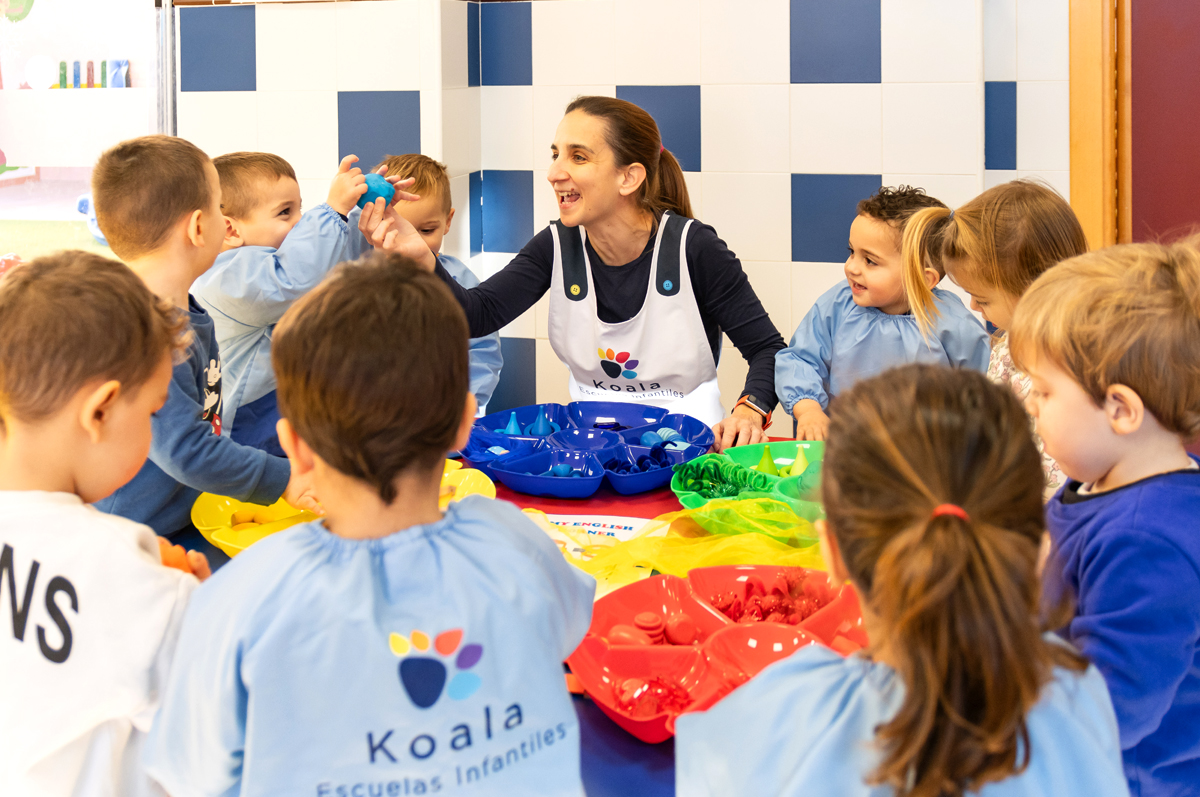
(583, 170)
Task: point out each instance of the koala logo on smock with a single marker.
(617, 364)
(423, 677)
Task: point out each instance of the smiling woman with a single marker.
(640, 293)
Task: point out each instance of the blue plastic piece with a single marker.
(562, 469)
(602, 442)
(690, 429)
(542, 426)
(498, 450)
(523, 474)
(650, 439)
(668, 434)
(87, 207)
(614, 416)
(514, 426)
(377, 186)
(636, 479)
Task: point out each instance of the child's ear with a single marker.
(832, 555)
(233, 236)
(465, 423)
(298, 452)
(449, 218)
(932, 277)
(96, 407)
(1124, 409)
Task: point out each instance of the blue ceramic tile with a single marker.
(676, 109)
(476, 179)
(216, 49)
(375, 124)
(835, 42)
(507, 210)
(518, 378)
(473, 44)
(823, 207)
(1000, 124)
(506, 44)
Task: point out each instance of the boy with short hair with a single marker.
(86, 355)
(158, 202)
(389, 648)
(1111, 342)
(431, 217)
(270, 257)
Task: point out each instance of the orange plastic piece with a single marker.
(173, 555)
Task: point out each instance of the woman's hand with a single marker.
(743, 427)
(811, 421)
(387, 230)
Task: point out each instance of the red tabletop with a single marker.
(605, 502)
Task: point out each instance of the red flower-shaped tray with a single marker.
(644, 687)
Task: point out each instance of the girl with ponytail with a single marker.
(933, 497)
(994, 247)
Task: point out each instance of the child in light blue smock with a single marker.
(390, 648)
(431, 216)
(933, 492)
(864, 326)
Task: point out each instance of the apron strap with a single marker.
(574, 264)
(666, 277)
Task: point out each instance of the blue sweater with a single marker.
(188, 454)
(1131, 559)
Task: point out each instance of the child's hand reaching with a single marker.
(192, 562)
(811, 421)
(348, 185)
(387, 230)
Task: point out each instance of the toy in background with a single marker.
(87, 207)
(377, 188)
(9, 262)
(115, 72)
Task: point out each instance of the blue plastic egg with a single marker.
(377, 186)
(650, 439)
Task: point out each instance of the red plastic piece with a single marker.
(801, 609)
(628, 635)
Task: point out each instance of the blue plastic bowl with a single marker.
(498, 421)
(695, 432)
(476, 451)
(603, 443)
(634, 483)
(586, 414)
(515, 473)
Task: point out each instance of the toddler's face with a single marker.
(994, 304)
(275, 215)
(873, 268)
(1075, 430)
(428, 217)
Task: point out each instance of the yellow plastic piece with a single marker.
(798, 466)
(420, 640)
(451, 466)
(457, 484)
(399, 644)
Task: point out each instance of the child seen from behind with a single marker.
(389, 646)
(863, 326)
(1111, 342)
(932, 487)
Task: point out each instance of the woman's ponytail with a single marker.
(921, 238)
(932, 489)
(672, 190)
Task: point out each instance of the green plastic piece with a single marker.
(716, 476)
(767, 464)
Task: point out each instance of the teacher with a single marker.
(640, 292)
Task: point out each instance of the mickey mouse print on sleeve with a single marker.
(1002, 371)
(212, 394)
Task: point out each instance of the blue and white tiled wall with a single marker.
(784, 113)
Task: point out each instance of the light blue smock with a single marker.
(485, 357)
(248, 290)
(299, 669)
(805, 726)
(838, 343)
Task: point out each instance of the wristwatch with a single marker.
(757, 405)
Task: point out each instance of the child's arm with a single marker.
(963, 338)
(1138, 622)
(802, 370)
(486, 359)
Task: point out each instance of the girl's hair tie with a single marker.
(951, 509)
(951, 216)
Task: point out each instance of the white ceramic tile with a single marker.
(302, 127)
(460, 131)
(506, 127)
(429, 32)
(809, 281)
(953, 189)
(1043, 39)
(206, 118)
(454, 43)
(1044, 125)
(999, 39)
(837, 128)
(659, 44)
(1060, 181)
(313, 191)
(430, 105)
(293, 46)
(523, 326)
(731, 377)
(486, 264)
(573, 43)
(388, 19)
(695, 187)
(457, 242)
(751, 212)
(545, 203)
(552, 375)
(744, 42)
(994, 177)
(932, 128)
(744, 128)
(549, 106)
(772, 283)
(929, 41)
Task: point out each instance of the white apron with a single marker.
(660, 356)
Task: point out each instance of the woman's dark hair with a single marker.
(957, 599)
(634, 138)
